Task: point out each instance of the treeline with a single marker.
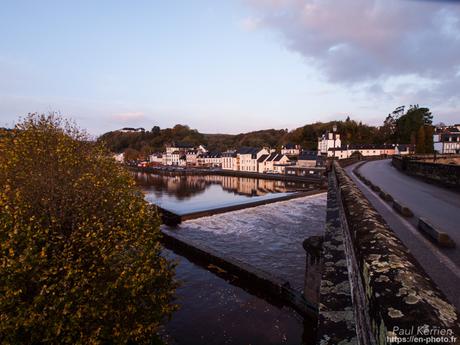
(404, 127)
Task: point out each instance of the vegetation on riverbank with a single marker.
(398, 127)
(79, 246)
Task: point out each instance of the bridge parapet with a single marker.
(392, 295)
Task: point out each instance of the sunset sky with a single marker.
(229, 65)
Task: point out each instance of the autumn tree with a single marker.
(79, 246)
(420, 142)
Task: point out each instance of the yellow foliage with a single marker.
(79, 253)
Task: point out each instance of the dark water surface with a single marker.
(186, 194)
(215, 312)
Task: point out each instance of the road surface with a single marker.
(440, 206)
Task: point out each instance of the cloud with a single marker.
(250, 24)
(129, 116)
(361, 41)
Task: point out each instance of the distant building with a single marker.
(229, 160)
(290, 150)
(156, 159)
(308, 159)
(447, 140)
(210, 159)
(327, 141)
(176, 154)
(246, 158)
(131, 129)
(273, 163)
(119, 157)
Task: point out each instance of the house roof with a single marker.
(290, 146)
(262, 158)
(308, 156)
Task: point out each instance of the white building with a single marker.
(156, 158)
(176, 154)
(327, 141)
(210, 159)
(273, 163)
(290, 150)
(229, 160)
(448, 140)
(246, 158)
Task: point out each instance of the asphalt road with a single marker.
(440, 206)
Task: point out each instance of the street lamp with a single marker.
(334, 129)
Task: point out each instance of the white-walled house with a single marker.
(156, 158)
(246, 158)
(273, 163)
(176, 154)
(327, 141)
(229, 160)
(290, 150)
(210, 159)
(448, 140)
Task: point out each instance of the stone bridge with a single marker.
(372, 290)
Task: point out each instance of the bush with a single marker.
(80, 256)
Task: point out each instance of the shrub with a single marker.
(80, 253)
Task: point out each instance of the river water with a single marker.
(186, 194)
(215, 308)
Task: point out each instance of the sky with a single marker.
(227, 66)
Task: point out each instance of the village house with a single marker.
(290, 150)
(176, 154)
(307, 159)
(210, 160)
(119, 157)
(273, 163)
(246, 158)
(447, 140)
(229, 160)
(156, 159)
(327, 141)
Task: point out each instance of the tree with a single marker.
(420, 146)
(79, 245)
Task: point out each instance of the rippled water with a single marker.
(215, 312)
(268, 237)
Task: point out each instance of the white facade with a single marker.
(445, 143)
(119, 157)
(327, 141)
(290, 150)
(246, 160)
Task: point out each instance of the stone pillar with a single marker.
(313, 246)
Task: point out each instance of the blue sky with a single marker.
(226, 66)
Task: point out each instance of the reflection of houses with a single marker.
(447, 140)
(273, 163)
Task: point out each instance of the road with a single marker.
(440, 206)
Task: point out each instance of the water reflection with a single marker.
(215, 311)
(183, 194)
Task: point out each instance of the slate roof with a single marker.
(308, 156)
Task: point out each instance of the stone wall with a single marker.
(398, 294)
(436, 172)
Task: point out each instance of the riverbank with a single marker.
(317, 177)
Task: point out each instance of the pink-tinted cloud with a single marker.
(358, 41)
